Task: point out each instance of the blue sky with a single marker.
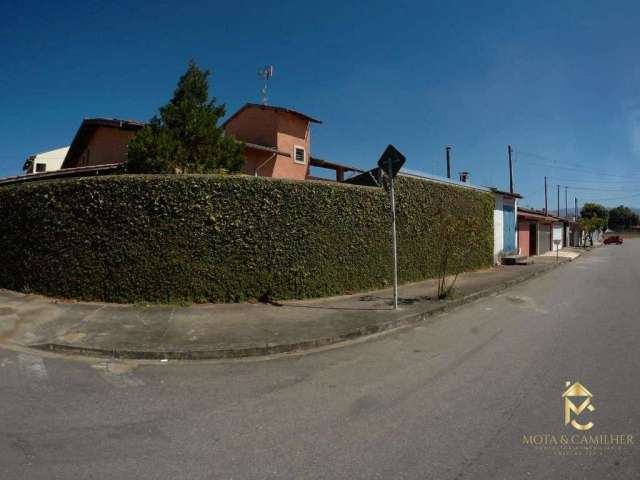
(559, 81)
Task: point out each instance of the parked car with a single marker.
(617, 239)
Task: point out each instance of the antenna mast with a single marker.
(264, 74)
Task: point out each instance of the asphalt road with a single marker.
(449, 400)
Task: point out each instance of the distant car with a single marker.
(617, 239)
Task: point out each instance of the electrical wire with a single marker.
(633, 195)
(570, 166)
(596, 189)
(631, 180)
(582, 170)
(635, 183)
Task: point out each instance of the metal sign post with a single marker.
(390, 163)
(557, 244)
(393, 236)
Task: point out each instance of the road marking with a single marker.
(118, 374)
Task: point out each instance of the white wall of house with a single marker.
(558, 234)
(499, 225)
(52, 160)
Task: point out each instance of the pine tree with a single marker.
(186, 138)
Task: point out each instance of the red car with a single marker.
(617, 239)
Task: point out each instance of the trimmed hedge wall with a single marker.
(173, 238)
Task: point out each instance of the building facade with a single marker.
(277, 140)
(101, 141)
(539, 233)
(505, 212)
(49, 161)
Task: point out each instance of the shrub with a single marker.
(167, 238)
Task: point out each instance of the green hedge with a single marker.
(199, 238)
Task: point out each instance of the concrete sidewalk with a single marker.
(234, 330)
(570, 253)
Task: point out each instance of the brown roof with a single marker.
(67, 172)
(88, 126)
(270, 107)
(533, 214)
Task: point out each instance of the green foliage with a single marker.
(622, 218)
(185, 138)
(593, 217)
(592, 224)
(176, 238)
(589, 225)
(590, 210)
(447, 251)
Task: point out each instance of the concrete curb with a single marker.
(273, 349)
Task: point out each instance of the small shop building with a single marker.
(539, 233)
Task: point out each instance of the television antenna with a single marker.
(264, 74)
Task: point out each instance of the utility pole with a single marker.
(575, 207)
(448, 154)
(566, 211)
(510, 150)
(558, 199)
(546, 211)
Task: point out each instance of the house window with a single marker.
(41, 167)
(298, 154)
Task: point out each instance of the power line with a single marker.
(569, 166)
(636, 194)
(543, 157)
(597, 182)
(597, 189)
(578, 184)
(581, 170)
